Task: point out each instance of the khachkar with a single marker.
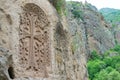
(34, 42)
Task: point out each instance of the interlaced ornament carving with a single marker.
(34, 40)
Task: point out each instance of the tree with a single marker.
(94, 66)
(107, 74)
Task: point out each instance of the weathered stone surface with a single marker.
(116, 32)
(36, 45)
(26, 37)
(88, 32)
(99, 36)
(78, 45)
(97, 32)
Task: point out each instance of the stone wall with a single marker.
(35, 44)
(26, 44)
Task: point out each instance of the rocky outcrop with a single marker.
(97, 35)
(35, 43)
(78, 46)
(27, 43)
(116, 32)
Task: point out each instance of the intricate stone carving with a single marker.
(34, 40)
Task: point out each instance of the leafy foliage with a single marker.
(116, 48)
(111, 15)
(107, 67)
(95, 66)
(76, 9)
(94, 55)
(107, 74)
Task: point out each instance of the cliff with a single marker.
(35, 43)
(112, 16)
(96, 31)
(42, 39)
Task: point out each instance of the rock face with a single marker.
(35, 44)
(96, 31)
(78, 46)
(38, 44)
(99, 36)
(116, 32)
(27, 39)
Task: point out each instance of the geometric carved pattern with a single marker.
(34, 43)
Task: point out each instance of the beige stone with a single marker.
(35, 43)
(27, 33)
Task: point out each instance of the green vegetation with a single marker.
(107, 74)
(111, 15)
(60, 6)
(106, 66)
(76, 9)
(94, 55)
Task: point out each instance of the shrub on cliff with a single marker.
(94, 55)
(76, 9)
